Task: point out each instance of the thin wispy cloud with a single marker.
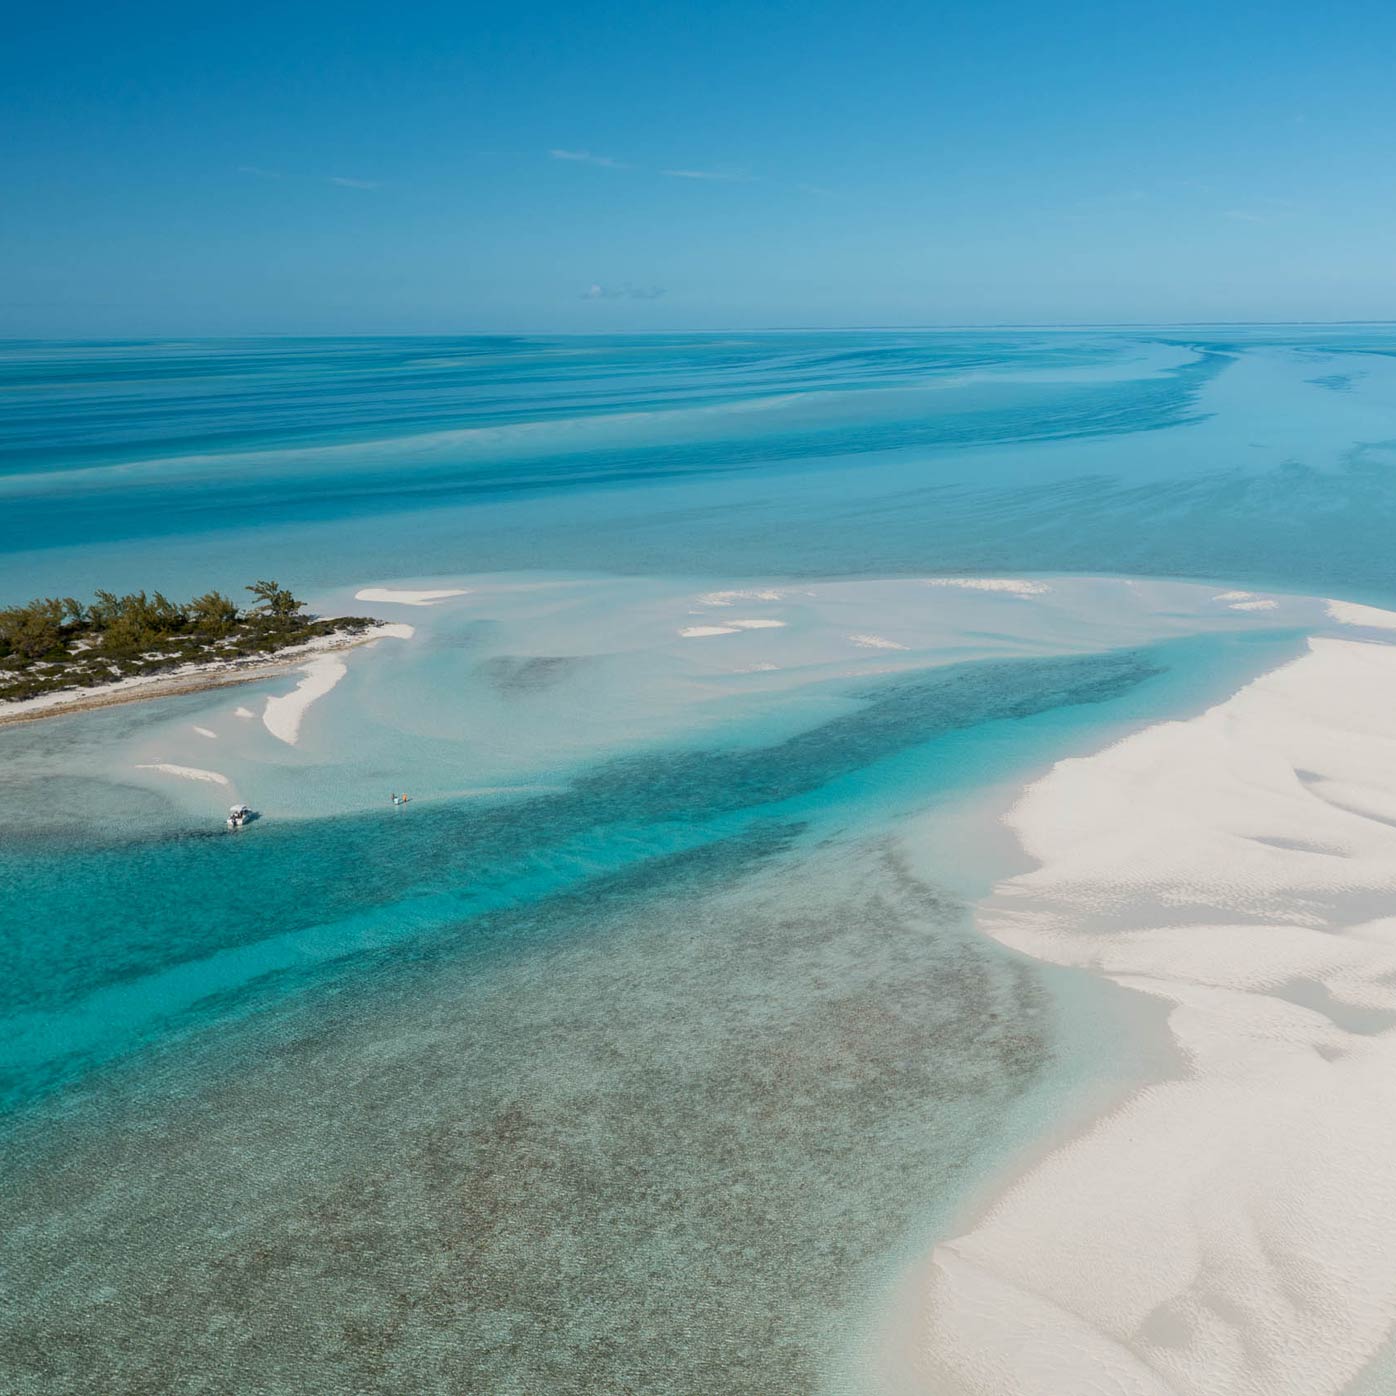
(719, 174)
(585, 157)
(1241, 215)
(343, 181)
(597, 292)
(724, 176)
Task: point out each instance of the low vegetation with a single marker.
(60, 642)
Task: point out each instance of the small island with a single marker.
(63, 649)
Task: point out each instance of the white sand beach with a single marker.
(1228, 1231)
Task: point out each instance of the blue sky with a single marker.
(576, 167)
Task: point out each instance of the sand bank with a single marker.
(184, 772)
(394, 596)
(730, 598)
(282, 715)
(1012, 586)
(1350, 613)
(1226, 1233)
(730, 627)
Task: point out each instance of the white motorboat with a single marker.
(238, 815)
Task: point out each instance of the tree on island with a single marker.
(214, 613)
(34, 630)
(276, 600)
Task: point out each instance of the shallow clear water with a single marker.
(637, 1050)
(188, 927)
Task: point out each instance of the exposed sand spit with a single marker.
(283, 715)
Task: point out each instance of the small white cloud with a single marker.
(345, 182)
(585, 157)
(597, 292)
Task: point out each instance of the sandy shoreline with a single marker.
(1223, 1232)
(193, 678)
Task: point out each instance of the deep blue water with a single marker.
(77, 405)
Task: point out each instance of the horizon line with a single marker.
(947, 327)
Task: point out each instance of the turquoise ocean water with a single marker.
(631, 1059)
(1261, 455)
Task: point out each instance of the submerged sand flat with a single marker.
(654, 1148)
(1228, 1231)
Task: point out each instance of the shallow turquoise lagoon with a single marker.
(121, 933)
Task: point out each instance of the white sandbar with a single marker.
(394, 597)
(1227, 1232)
(1012, 585)
(1350, 613)
(282, 716)
(730, 598)
(1246, 601)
